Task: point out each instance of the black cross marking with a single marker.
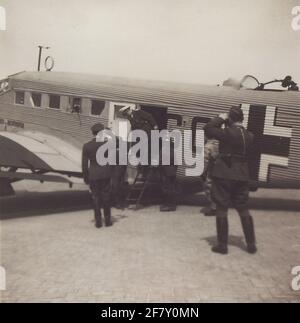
(264, 144)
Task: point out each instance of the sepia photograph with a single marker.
(149, 154)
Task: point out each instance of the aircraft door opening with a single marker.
(160, 115)
(117, 122)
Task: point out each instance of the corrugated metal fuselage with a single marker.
(273, 117)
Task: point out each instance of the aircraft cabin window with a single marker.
(36, 99)
(97, 107)
(54, 101)
(76, 105)
(20, 97)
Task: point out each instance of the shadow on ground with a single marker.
(236, 241)
(255, 203)
(40, 203)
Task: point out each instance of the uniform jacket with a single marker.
(142, 120)
(118, 170)
(168, 170)
(234, 149)
(90, 168)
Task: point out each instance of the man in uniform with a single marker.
(118, 178)
(168, 177)
(141, 120)
(97, 177)
(231, 175)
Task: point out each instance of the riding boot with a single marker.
(222, 232)
(170, 203)
(107, 216)
(98, 218)
(248, 228)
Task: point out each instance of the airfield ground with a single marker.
(53, 253)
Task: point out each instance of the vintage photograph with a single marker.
(149, 152)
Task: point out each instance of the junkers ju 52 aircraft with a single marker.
(45, 117)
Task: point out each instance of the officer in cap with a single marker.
(97, 177)
(141, 120)
(231, 175)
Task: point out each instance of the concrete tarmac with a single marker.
(52, 252)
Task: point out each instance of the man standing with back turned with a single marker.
(98, 177)
(231, 175)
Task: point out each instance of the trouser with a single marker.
(118, 183)
(143, 168)
(169, 189)
(224, 193)
(101, 193)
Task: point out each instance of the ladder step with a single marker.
(138, 188)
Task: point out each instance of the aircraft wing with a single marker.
(39, 153)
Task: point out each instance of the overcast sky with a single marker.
(200, 41)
